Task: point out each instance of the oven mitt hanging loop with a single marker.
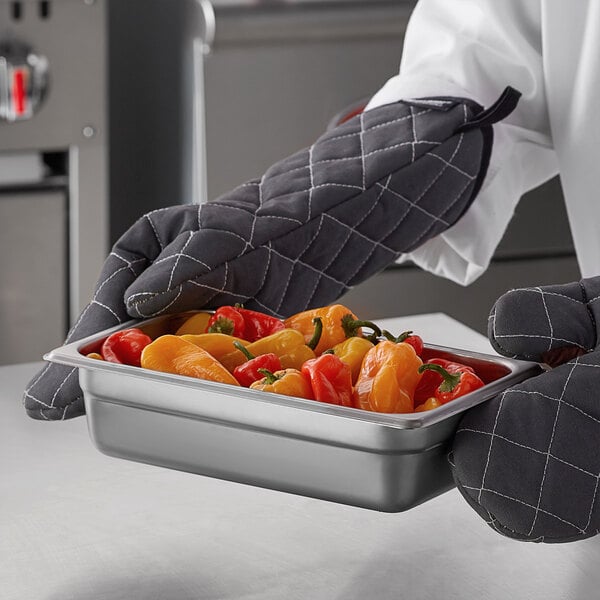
(313, 226)
(528, 461)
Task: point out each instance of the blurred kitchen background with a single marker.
(112, 108)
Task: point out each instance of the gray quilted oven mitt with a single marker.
(314, 225)
(528, 461)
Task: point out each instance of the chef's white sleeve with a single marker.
(474, 49)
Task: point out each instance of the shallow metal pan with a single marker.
(386, 462)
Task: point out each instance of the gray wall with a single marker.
(274, 77)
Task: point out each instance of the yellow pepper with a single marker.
(429, 404)
(287, 344)
(216, 344)
(173, 354)
(196, 324)
(339, 323)
(352, 351)
(388, 378)
(290, 382)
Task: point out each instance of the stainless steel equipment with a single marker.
(53, 168)
(23, 80)
(386, 462)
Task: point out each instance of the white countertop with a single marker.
(75, 524)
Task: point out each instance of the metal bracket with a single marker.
(207, 24)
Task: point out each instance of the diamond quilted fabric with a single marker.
(314, 225)
(528, 461)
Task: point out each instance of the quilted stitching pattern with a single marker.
(529, 460)
(316, 223)
(323, 219)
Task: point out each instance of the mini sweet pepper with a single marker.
(227, 320)
(241, 322)
(416, 341)
(125, 346)
(431, 378)
(173, 354)
(352, 351)
(339, 323)
(388, 378)
(287, 344)
(216, 344)
(290, 382)
(458, 380)
(253, 369)
(330, 379)
(195, 324)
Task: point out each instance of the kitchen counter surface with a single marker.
(75, 524)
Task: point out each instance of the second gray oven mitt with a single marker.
(528, 461)
(314, 225)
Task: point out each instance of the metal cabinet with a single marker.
(54, 221)
(33, 268)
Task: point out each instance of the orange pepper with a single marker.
(216, 344)
(290, 382)
(196, 324)
(287, 344)
(339, 323)
(429, 404)
(388, 378)
(173, 354)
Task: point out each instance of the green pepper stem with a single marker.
(222, 325)
(270, 377)
(244, 350)
(314, 341)
(451, 380)
(397, 339)
(350, 325)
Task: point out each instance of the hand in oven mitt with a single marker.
(314, 225)
(528, 461)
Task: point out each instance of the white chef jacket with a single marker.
(550, 51)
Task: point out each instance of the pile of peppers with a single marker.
(325, 354)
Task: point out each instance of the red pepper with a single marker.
(408, 337)
(227, 320)
(259, 325)
(125, 346)
(457, 380)
(253, 370)
(431, 379)
(241, 322)
(330, 379)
